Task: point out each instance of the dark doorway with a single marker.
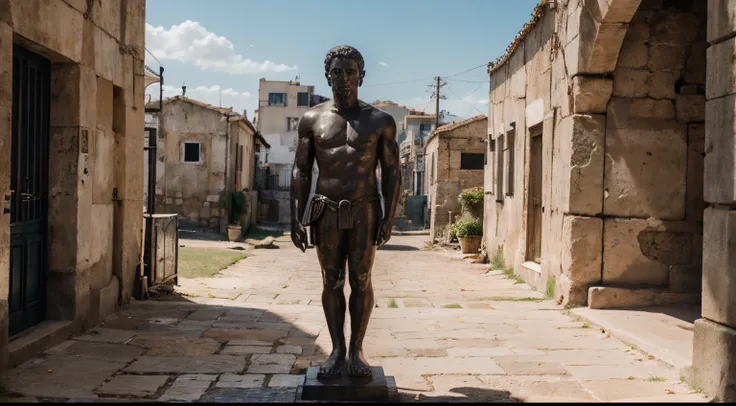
(29, 189)
(534, 208)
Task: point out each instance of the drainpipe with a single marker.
(227, 166)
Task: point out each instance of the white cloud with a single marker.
(383, 64)
(239, 101)
(191, 42)
(483, 101)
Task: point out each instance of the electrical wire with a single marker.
(466, 71)
(423, 79)
(153, 56)
(464, 101)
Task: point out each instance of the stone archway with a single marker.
(603, 26)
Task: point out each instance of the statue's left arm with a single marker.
(388, 156)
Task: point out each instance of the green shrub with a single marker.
(468, 228)
(237, 206)
(472, 198)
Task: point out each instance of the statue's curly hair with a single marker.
(344, 51)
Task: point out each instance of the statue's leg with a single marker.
(361, 252)
(332, 255)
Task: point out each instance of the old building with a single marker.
(71, 120)
(455, 157)
(280, 106)
(417, 128)
(204, 154)
(611, 163)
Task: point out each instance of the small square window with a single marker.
(191, 152)
(277, 99)
(302, 99)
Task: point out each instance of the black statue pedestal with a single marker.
(378, 388)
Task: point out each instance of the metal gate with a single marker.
(29, 189)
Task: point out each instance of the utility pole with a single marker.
(437, 104)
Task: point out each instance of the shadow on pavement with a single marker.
(464, 395)
(393, 247)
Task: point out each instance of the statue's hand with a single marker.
(299, 236)
(384, 232)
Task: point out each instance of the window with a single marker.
(509, 155)
(490, 173)
(277, 99)
(302, 99)
(191, 152)
(471, 161)
(499, 169)
(292, 123)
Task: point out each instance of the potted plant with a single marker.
(471, 200)
(237, 209)
(470, 233)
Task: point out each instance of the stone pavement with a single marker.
(446, 330)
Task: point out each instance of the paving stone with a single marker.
(594, 372)
(479, 351)
(245, 349)
(240, 381)
(206, 314)
(65, 376)
(285, 381)
(289, 349)
(527, 388)
(106, 335)
(609, 390)
(187, 388)
(188, 364)
(254, 395)
(104, 351)
(251, 342)
(133, 385)
(243, 334)
(426, 352)
(464, 389)
(271, 363)
(176, 346)
(447, 365)
(532, 368)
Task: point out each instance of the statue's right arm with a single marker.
(301, 174)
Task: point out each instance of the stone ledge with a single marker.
(37, 339)
(602, 297)
(713, 367)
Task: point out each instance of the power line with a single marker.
(466, 71)
(423, 79)
(153, 56)
(467, 81)
(464, 101)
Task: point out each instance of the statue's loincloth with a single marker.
(343, 213)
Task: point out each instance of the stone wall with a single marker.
(95, 150)
(618, 97)
(714, 359)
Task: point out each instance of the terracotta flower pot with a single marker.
(470, 244)
(233, 233)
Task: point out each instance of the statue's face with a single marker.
(344, 77)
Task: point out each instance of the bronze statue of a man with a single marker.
(348, 138)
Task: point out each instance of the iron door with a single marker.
(29, 189)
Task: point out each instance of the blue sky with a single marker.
(222, 47)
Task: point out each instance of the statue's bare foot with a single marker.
(334, 364)
(358, 366)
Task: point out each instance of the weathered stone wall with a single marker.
(449, 178)
(654, 150)
(193, 189)
(622, 153)
(714, 359)
(95, 149)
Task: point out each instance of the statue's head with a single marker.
(344, 70)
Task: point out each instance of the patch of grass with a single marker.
(197, 262)
(257, 233)
(510, 299)
(392, 304)
(656, 379)
(452, 306)
(586, 325)
(497, 263)
(211, 296)
(550, 292)
(275, 295)
(631, 378)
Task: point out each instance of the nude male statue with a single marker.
(348, 138)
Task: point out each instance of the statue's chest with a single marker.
(354, 134)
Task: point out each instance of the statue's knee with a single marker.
(334, 279)
(360, 282)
